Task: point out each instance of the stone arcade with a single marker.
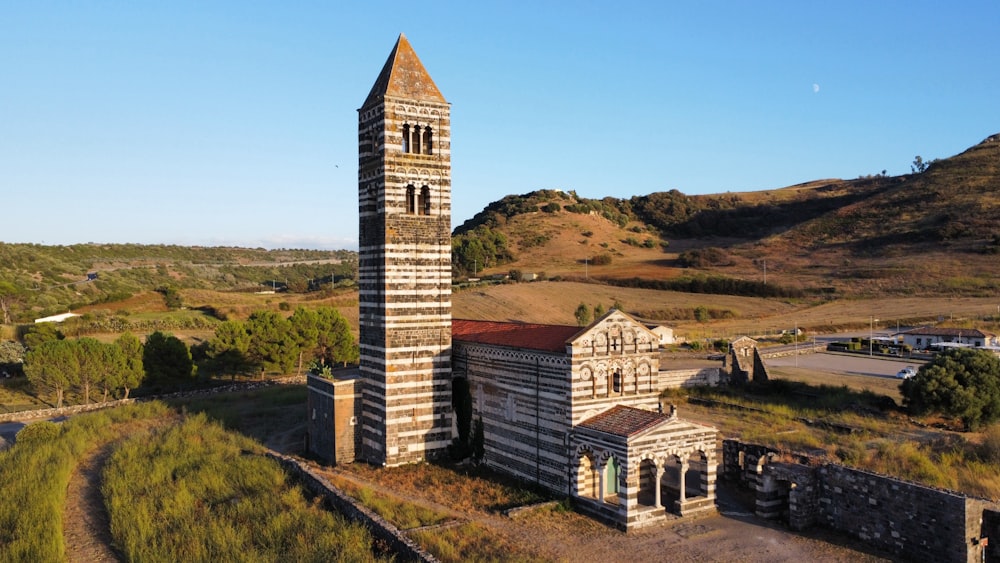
(573, 410)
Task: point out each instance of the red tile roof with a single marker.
(548, 338)
(621, 420)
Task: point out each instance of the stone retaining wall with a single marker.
(404, 548)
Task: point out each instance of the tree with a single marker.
(90, 357)
(52, 367)
(132, 372)
(335, 341)
(113, 362)
(701, 314)
(9, 295)
(598, 311)
(962, 382)
(165, 358)
(228, 348)
(11, 356)
(918, 166)
(272, 343)
(582, 314)
(171, 297)
(40, 333)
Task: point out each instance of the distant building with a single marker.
(924, 337)
(56, 318)
(664, 333)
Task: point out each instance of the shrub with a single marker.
(601, 259)
(34, 434)
(962, 382)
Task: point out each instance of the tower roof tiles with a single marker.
(404, 76)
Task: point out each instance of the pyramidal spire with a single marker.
(404, 76)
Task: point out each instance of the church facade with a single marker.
(574, 410)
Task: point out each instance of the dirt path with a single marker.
(86, 526)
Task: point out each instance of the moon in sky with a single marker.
(815, 88)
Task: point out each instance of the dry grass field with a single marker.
(555, 302)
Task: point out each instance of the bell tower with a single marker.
(404, 199)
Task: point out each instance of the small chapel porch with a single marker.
(636, 468)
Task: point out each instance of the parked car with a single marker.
(906, 373)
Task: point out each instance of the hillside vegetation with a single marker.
(936, 231)
(37, 280)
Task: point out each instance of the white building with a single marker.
(924, 337)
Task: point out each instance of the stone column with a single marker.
(600, 482)
(659, 483)
(684, 468)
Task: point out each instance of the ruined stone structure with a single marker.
(745, 362)
(912, 521)
(404, 195)
(558, 404)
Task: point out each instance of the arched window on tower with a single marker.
(428, 141)
(416, 140)
(406, 138)
(425, 201)
(411, 200)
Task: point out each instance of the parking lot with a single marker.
(845, 364)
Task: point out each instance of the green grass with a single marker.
(198, 493)
(35, 473)
(255, 413)
(16, 395)
(404, 515)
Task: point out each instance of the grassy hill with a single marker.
(930, 233)
(37, 280)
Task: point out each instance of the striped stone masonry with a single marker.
(404, 271)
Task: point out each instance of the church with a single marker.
(575, 410)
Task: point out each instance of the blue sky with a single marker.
(235, 123)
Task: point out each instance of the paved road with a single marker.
(7, 432)
(845, 363)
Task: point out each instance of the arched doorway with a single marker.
(586, 477)
(612, 471)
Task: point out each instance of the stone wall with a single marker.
(907, 519)
(676, 378)
(383, 530)
(903, 518)
(523, 400)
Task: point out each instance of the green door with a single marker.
(611, 477)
